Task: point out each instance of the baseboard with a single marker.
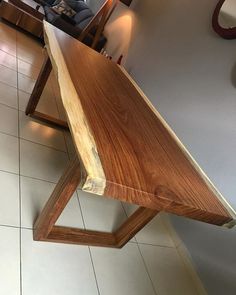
(185, 255)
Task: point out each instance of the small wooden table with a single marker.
(125, 150)
(26, 14)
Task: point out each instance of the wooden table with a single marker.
(125, 150)
(26, 14)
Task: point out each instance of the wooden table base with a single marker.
(35, 97)
(45, 229)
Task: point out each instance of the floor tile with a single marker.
(41, 162)
(34, 195)
(8, 46)
(167, 271)
(8, 60)
(23, 100)
(25, 83)
(49, 268)
(8, 76)
(28, 43)
(9, 153)
(8, 95)
(8, 34)
(155, 232)
(9, 199)
(121, 271)
(28, 70)
(10, 261)
(47, 103)
(8, 120)
(101, 213)
(35, 131)
(31, 56)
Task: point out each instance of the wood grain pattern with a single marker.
(24, 15)
(127, 149)
(61, 195)
(95, 180)
(50, 120)
(133, 225)
(117, 239)
(39, 86)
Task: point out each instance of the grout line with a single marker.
(8, 225)
(20, 58)
(96, 280)
(5, 171)
(90, 253)
(8, 67)
(26, 176)
(11, 85)
(146, 268)
(5, 133)
(8, 51)
(10, 107)
(21, 138)
(35, 178)
(145, 265)
(15, 226)
(20, 201)
(153, 245)
(55, 149)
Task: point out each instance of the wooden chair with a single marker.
(98, 22)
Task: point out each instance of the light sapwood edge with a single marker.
(94, 180)
(206, 179)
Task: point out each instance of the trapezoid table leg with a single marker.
(39, 86)
(46, 230)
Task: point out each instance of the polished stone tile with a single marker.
(167, 271)
(41, 162)
(28, 69)
(34, 195)
(25, 83)
(8, 76)
(9, 153)
(155, 232)
(10, 261)
(101, 213)
(49, 268)
(8, 60)
(8, 120)
(8, 95)
(9, 199)
(121, 271)
(34, 130)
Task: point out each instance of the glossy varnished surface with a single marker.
(127, 150)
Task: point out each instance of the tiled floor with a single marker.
(32, 158)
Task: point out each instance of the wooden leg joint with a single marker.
(68, 235)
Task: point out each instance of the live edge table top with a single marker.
(126, 149)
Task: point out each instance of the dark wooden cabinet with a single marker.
(24, 15)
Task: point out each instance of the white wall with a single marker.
(189, 73)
